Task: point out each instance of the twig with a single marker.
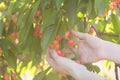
(108, 34)
(103, 34)
(116, 71)
(85, 24)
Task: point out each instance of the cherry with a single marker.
(71, 42)
(117, 1)
(40, 34)
(13, 75)
(59, 52)
(68, 33)
(55, 45)
(58, 38)
(113, 5)
(105, 13)
(36, 31)
(38, 13)
(6, 77)
(55, 42)
(14, 35)
(91, 31)
(6, 24)
(14, 20)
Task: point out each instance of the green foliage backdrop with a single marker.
(22, 49)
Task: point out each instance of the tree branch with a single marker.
(116, 71)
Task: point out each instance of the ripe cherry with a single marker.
(6, 77)
(71, 42)
(14, 20)
(58, 38)
(117, 1)
(13, 75)
(55, 42)
(36, 31)
(38, 13)
(91, 31)
(14, 35)
(68, 33)
(113, 5)
(40, 34)
(59, 52)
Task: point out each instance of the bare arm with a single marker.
(69, 67)
(112, 51)
(92, 49)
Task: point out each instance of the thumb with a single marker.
(78, 34)
(53, 53)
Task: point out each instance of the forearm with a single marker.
(112, 52)
(82, 73)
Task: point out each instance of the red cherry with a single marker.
(13, 75)
(59, 52)
(117, 1)
(6, 77)
(55, 42)
(36, 31)
(40, 35)
(68, 33)
(6, 24)
(91, 31)
(71, 42)
(14, 35)
(113, 5)
(14, 20)
(17, 35)
(58, 38)
(38, 13)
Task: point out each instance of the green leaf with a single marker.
(71, 12)
(48, 36)
(91, 9)
(11, 59)
(49, 18)
(58, 3)
(82, 6)
(52, 76)
(41, 75)
(96, 68)
(1, 27)
(99, 7)
(28, 23)
(4, 45)
(116, 23)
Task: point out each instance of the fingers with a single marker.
(78, 34)
(50, 60)
(53, 54)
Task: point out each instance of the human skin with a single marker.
(90, 49)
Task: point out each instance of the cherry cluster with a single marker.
(37, 32)
(114, 4)
(7, 76)
(56, 43)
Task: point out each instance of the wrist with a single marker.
(112, 51)
(78, 72)
(81, 73)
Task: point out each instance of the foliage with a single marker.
(28, 27)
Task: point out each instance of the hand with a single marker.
(69, 67)
(63, 65)
(90, 48)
